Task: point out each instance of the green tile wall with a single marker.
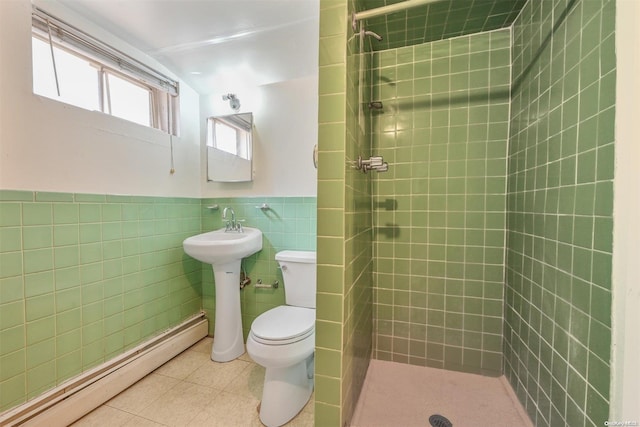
(560, 185)
(288, 224)
(357, 233)
(439, 221)
(439, 20)
(85, 277)
(343, 327)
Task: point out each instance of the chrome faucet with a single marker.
(231, 224)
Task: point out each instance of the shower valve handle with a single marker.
(375, 163)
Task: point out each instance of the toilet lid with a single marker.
(284, 323)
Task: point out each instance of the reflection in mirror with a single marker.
(229, 148)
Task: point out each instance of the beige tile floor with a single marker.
(397, 394)
(191, 390)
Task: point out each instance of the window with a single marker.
(72, 67)
(127, 100)
(77, 79)
(231, 134)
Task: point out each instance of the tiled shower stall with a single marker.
(491, 232)
(440, 244)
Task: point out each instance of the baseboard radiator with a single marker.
(80, 395)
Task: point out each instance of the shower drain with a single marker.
(439, 421)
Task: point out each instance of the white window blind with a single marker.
(124, 86)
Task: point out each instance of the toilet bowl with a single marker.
(283, 340)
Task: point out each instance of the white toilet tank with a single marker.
(299, 277)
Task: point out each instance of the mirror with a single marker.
(229, 148)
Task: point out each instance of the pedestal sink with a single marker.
(224, 250)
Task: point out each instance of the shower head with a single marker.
(234, 102)
(374, 35)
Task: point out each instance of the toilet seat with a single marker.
(284, 325)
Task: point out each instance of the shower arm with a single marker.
(372, 34)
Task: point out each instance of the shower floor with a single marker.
(396, 394)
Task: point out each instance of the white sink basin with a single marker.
(220, 246)
(224, 250)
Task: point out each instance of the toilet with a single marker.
(283, 340)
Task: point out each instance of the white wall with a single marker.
(285, 115)
(625, 387)
(50, 146)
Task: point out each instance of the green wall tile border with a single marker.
(53, 197)
(87, 198)
(16, 196)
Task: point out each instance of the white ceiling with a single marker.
(216, 45)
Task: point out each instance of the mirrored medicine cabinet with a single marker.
(229, 148)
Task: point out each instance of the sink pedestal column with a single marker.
(227, 335)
